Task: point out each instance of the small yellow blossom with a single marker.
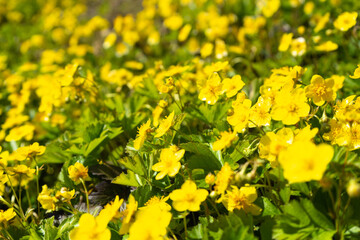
(46, 200)
(298, 46)
(223, 179)
(65, 195)
(242, 198)
(240, 118)
(338, 82)
(173, 22)
(169, 163)
(165, 125)
(231, 86)
(27, 152)
(321, 22)
(109, 40)
(272, 144)
(188, 197)
(6, 216)
(268, 7)
(327, 46)
(225, 140)
(91, 228)
(206, 50)
(212, 89)
(128, 215)
(290, 106)
(142, 134)
(320, 90)
(78, 172)
(285, 42)
(184, 33)
(345, 21)
(260, 113)
(304, 161)
(111, 210)
(151, 222)
(356, 73)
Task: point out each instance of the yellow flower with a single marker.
(356, 73)
(21, 175)
(128, 215)
(232, 85)
(165, 125)
(339, 134)
(173, 22)
(65, 195)
(206, 50)
(142, 134)
(290, 106)
(268, 7)
(240, 118)
(220, 49)
(260, 113)
(212, 89)
(109, 40)
(91, 228)
(27, 152)
(304, 161)
(339, 81)
(321, 22)
(46, 200)
(159, 202)
(157, 112)
(298, 46)
(225, 140)
(320, 90)
(327, 46)
(345, 21)
(169, 163)
(6, 216)
(188, 197)
(25, 131)
(242, 198)
(78, 172)
(285, 42)
(151, 222)
(272, 144)
(184, 33)
(111, 210)
(355, 136)
(223, 179)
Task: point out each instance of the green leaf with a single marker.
(298, 216)
(316, 216)
(269, 209)
(266, 228)
(284, 194)
(133, 163)
(94, 144)
(203, 158)
(128, 179)
(53, 154)
(67, 225)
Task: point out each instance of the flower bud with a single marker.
(353, 189)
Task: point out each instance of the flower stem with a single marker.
(86, 195)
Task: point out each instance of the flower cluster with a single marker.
(179, 119)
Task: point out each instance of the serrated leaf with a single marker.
(133, 163)
(268, 208)
(53, 154)
(128, 179)
(94, 144)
